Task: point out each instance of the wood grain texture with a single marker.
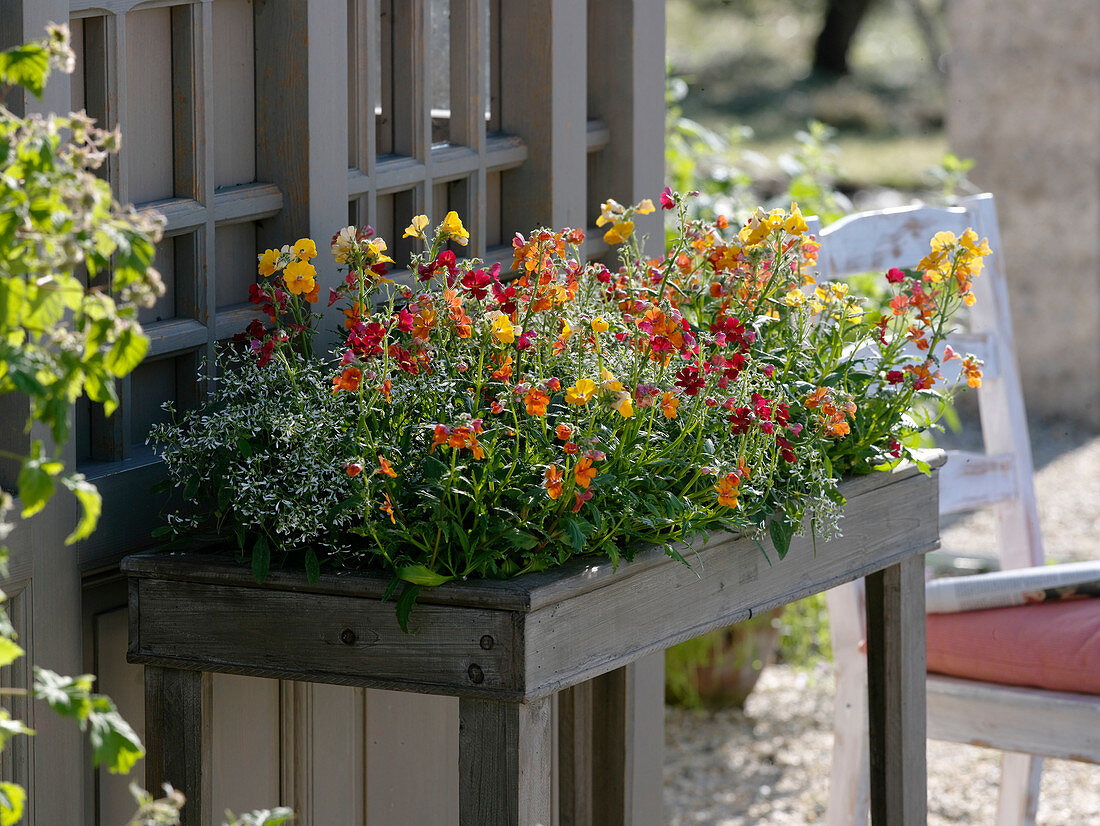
(1018, 795)
(505, 763)
(178, 737)
(1048, 723)
(895, 694)
(575, 755)
(325, 639)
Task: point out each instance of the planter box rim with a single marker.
(525, 593)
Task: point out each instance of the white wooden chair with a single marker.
(1026, 723)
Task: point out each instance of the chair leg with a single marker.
(1018, 801)
(850, 778)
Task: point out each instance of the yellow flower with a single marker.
(942, 240)
(645, 206)
(610, 212)
(609, 381)
(581, 392)
(305, 249)
(619, 232)
(453, 229)
(794, 298)
(416, 228)
(269, 262)
(795, 224)
(839, 291)
(343, 243)
(299, 277)
(623, 404)
(503, 330)
(599, 325)
(374, 252)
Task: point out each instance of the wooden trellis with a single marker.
(250, 123)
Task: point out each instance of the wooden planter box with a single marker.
(505, 647)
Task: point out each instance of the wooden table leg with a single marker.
(896, 694)
(177, 737)
(505, 763)
(610, 746)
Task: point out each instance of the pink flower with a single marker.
(666, 198)
(895, 276)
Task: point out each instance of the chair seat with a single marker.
(1051, 645)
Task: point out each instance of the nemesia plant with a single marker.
(487, 424)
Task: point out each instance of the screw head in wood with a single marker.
(487, 642)
(477, 676)
(347, 637)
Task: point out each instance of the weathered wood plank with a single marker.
(895, 691)
(1053, 724)
(642, 612)
(177, 737)
(505, 766)
(975, 480)
(331, 639)
(575, 721)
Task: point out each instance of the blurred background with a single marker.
(847, 105)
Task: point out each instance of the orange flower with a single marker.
(584, 472)
(439, 436)
(466, 436)
(836, 425)
(423, 322)
(385, 467)
(387, 388)
(563, 432)
(505, 371)
(727, 490)
(348, 380)
(815, 398)
(536, 401)
(743, 468)
(972, 369)
(387, 507)
(669, 403)
(581, 498)
(553, 482)
(353, 314)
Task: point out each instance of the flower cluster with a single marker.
(488, 423)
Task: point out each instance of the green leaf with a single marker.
(421, 575)
(91, 505)
(12, 798)
(313, 567)
(781, 533)
(405, 605)
(9, 651)
(35, 486)
(127, 352)
(261, 559)
(244, 447)
(27, 65)
(115, 745)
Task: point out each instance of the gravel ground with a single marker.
(770, 762)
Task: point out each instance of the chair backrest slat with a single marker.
(1002, 475)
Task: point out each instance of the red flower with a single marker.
(667, 201)
(689, 379)
(476, 283)
(895, 276)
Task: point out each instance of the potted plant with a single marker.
(483, 425)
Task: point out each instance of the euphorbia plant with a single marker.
(483, 424)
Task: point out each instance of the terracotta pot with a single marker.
(720, 669)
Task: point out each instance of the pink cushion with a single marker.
(1054, 645)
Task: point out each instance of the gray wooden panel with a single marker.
(330, 639)
(543, 100)
(505, 765)
(148, 130)
(124, 683)
(411, 745)
(233, 152)
(896, 675)
(244, 743)
(235, 263)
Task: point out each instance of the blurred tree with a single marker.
(842, 19)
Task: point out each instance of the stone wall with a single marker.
(1024, 103)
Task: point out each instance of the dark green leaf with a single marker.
(405, 605)
(261, 559)
(313, 566)
(781, 533)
